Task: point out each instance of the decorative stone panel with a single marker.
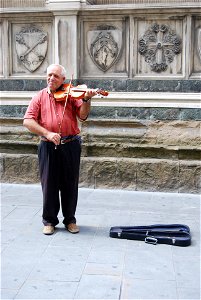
(104, 48)
(160, 49)
(104, 41)
(30, 48)
(196, 46)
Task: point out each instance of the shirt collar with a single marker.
(48, 90)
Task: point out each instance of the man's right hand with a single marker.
(53, 137)
(34, 127)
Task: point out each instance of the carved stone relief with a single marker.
(104, 46)
(31, 47)
(159, 45)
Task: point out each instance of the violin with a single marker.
(75, 92)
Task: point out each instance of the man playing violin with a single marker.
(60, 147)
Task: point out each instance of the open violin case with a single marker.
(171, 234)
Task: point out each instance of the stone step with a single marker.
(8, 146)
(141, 151)
(112, 150)
(140, 174)
(137, 155)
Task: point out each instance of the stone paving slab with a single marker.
(91, 265)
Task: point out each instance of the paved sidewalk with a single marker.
(91, 265)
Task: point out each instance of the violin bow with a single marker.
(67, 97)
(65, 103)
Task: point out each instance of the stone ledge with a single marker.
(117, 99)
(18, 147)
(144, 131)
(118, 150)
(146, 3)
(130, 150)
(115, 113)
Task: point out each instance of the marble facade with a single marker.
(94, 39)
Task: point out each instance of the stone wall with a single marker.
(146, 134)
(138, 148)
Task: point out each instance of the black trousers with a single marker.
(59, 173)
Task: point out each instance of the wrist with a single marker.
(86, 100)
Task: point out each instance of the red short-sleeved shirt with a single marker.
(49, 113)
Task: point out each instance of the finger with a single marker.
(55, 140)
(91, 93)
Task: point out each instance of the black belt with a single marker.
(172, 234)
(62, 141)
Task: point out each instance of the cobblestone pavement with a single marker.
(91, 265)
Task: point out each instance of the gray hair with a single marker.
(63, 70)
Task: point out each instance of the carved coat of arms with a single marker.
(104, 46)
(31, 47)
(159, 45)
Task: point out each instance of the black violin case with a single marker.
(171, 234)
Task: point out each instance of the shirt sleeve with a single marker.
(33, 110)
(77, 104)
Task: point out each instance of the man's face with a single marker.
(54, 78)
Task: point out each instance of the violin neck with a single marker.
(83, 90)
(77, 89)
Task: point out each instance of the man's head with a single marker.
(56, 75)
